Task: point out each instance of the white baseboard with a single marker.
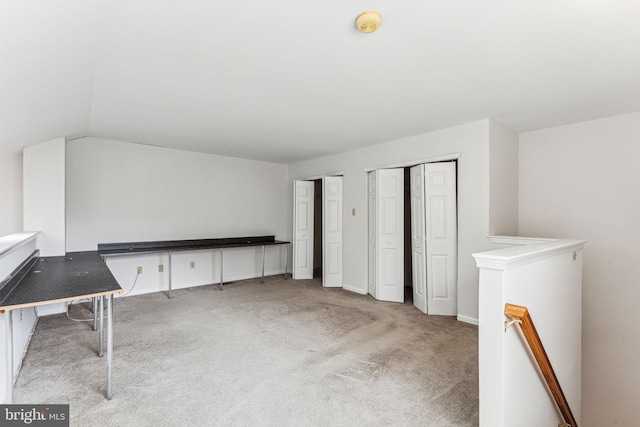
(467, 319)
(356, 290)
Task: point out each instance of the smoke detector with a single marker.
(368, 21)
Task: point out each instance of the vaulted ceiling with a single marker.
(290, 80)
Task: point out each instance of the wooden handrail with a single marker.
(521, 314)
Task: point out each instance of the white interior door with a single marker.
(389, 234)
(303, 230)
(372, 226)
(332, 231)
(441, 238)
(418, 239)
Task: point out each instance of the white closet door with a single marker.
(332, 231)
(372, 227)
(441, 242)
(418, 239)
(303, 230)
(389, 221)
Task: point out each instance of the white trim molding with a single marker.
(356, 290)
(443, 158)
(467, 319)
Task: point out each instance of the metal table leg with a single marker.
(221, 268)
(109, 344)
(170, 271)
(262, 281)
(101, 326)
(94, 308)
(286, 261)
(9, 315)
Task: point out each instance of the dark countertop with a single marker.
(77, 275)
(131, 248)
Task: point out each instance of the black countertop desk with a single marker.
(168, 246)
(75, 276)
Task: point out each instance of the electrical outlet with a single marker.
(139, 270)
(192, 264)
(160, 268)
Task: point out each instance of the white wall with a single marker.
(581, 181)
(121, 192)
(10, 192)
(503, 176)
(472, 141)
(44, 194)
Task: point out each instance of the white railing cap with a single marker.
(15, 240)
(525, 251)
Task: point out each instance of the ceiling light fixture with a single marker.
(368, 21)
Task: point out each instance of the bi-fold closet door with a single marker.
(303, 232)
(433, 236)
(386, 234)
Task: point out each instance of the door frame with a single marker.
(409, 163)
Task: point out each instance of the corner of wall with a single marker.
(44, 193)
(503, 179)
(11, 191)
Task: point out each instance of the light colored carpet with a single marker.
(282, 353)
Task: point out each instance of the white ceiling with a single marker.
(290, 80)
